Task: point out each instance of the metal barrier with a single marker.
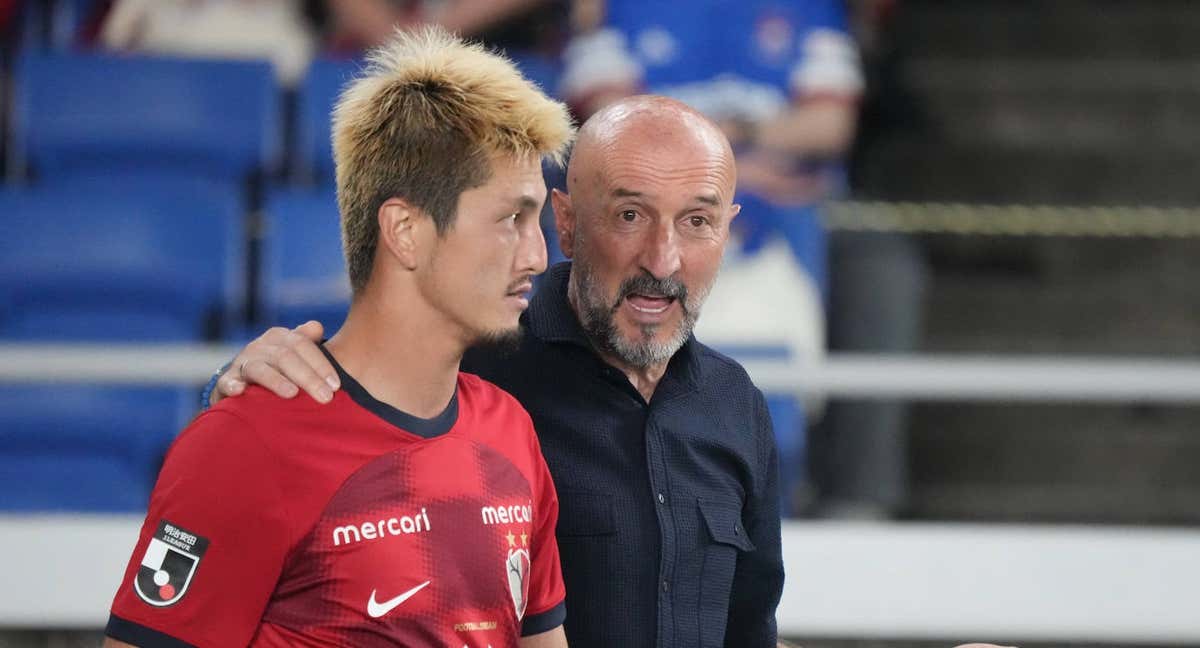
(1013, 220)
(915, 377)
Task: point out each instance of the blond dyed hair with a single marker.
(422, 122)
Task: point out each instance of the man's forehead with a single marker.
(702, 193)
(651, 142)
(650, 174)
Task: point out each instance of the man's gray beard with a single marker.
(598, 320)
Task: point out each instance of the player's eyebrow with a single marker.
(621, 192)
(527, 203)
(708, 199)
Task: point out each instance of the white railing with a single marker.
(927, 377)
(955, 582)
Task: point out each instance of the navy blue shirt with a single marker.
(668, 524)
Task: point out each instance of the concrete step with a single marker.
(932, 167)
(1068, 463)
(1082, 106)
(1062, 463)
(1094, 29)
(1047, 295)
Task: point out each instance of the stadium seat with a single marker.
(303, 273)
(217, 119)
(85, 448)
(541, 69)
(318, 93)
(144, 261)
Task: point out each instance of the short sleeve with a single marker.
(545, 610)
(212, 545)
(828, 62)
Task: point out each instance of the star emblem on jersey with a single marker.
(375, 609)
(517, 569)
(168, 565)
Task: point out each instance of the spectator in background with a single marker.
(530, 32)
(527, 25)
(290, 32)
(275, 30)
(783, 80)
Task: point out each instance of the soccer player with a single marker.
(416, 509)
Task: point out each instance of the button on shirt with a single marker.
(668, 525)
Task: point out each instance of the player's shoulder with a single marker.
(221, 439)
(260, 406)
(252, 416)
(493, 416)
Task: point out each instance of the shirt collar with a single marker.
(551, 319)
(550, 316)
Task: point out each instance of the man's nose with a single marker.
(660, 254)
(532, 258)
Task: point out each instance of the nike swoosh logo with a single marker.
(377, 609)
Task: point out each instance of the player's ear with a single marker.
(564, 221)
(398, 223)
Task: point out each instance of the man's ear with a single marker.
(398, 236)
(734, 210)
(564, 221)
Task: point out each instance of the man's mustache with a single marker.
(651, 286)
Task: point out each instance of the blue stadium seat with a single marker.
(542, 70)
(80, 113)
(85, 448)
(97, 261)
(319, 92)
(303, 273)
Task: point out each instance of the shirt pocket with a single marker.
(726, 541)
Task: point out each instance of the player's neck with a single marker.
(404, 357)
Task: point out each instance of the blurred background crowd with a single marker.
(168, 179)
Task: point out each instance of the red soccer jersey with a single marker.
(288, 523)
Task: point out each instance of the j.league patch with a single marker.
(170, 562)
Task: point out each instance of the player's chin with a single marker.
(501, 337)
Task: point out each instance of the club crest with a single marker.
(516, 567)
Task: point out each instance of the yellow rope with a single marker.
(1015, 220)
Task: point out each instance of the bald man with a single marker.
(661, 448)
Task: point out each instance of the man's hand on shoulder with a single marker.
(284, 361)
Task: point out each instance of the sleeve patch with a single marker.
(171, 559)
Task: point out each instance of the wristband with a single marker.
(206, 395)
